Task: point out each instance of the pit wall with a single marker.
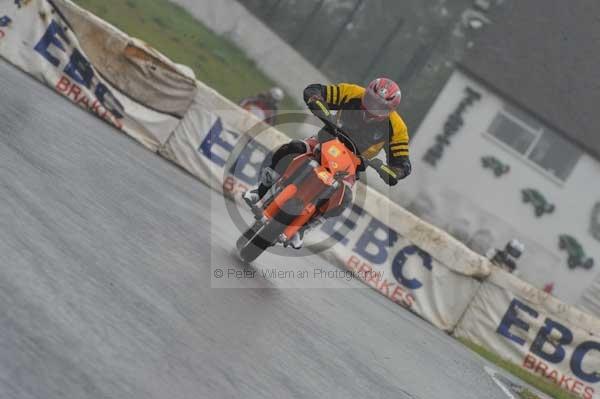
(414, 264)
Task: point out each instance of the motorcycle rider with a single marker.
(368, 115)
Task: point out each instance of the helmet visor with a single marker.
(375, 105)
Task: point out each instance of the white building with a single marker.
(510, 148)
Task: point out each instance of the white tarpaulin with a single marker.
(130, 65)
(411, 262)
(535, 330)
(36, 38)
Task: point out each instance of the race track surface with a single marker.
(105, 286)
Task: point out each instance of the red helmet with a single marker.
(381, 97)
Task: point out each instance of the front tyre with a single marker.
(262, 236)
(248, 234)
(255, 241)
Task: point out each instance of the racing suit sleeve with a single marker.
(397, 148)
(333, 96)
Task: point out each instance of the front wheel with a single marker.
(256, 240)
(262, 236)
(248, 234)
(252, 243)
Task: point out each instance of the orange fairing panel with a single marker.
(337, 158)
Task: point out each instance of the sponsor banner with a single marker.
(37, 38)
(202, 143)
(535, 330)
(412, 263)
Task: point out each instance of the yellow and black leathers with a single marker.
(370, 137)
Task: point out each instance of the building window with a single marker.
(511, 133)
(555, 154)
(542, 146)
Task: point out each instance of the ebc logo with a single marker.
(550, 341)
(374, 244)
(220, 142)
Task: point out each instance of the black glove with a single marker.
(387, 173)
(404, 168)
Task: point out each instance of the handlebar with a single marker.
(384, 171)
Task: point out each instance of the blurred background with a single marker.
(499, 96)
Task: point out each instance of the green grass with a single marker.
(538, 382)
(174, 32)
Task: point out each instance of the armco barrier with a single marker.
(535, 330)
(40, 39)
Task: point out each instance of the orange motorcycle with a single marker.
(312, 185)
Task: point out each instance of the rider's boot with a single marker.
(251, 197)
(268, 177)
(297, 240)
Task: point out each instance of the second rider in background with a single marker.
(264, 105)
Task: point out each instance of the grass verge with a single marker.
(174, 32)
(535, 381)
